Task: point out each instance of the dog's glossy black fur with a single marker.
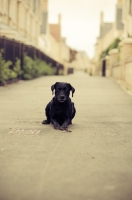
(60, 110)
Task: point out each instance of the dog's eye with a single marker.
(58, 89)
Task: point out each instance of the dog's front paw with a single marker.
(63, 128)
(46, 122)
(56, 126)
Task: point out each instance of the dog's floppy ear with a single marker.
(72, 89)
(53, 87)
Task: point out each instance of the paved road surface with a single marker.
(93, 162)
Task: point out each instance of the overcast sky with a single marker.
(80, 20)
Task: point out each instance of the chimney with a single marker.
(119, 1)
(101, 18)
(59, 19)
(44, 5)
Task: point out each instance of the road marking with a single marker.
(24, 131)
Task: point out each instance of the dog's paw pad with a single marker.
(56, 127)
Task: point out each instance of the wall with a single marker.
(116, 72)
(127, 17)
(55, 48)
(65, 55)
(123, 69)
(82, 61)
(20, 20)
(108, 33)
(128, 72)
(65, 51)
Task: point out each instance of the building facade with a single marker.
(108, 33)
(127, 18)
(44, 37)
(55, 40)
(118, 62)
(59, 50)
(21, 19)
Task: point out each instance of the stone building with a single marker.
(119, 63)
(59, 50)
(55, 40)
(123, 69)
(109, 31)
(22, 19)
(65, 54)
(43, 42)
(127, 18)
(82, 61)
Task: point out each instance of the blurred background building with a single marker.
(113, 48)
(109, 31)
(127, 18)
(21, 20)
(26, 21)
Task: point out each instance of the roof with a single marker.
(55, 30)
(105, 28)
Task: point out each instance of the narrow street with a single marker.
(93, 162)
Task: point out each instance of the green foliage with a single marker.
(42, 68)
(17, 68)
(28, 68)
(35, 68)
(10, 73)
(32, 68)
(113, 45)
(130, 36)
(61, 72)
(5, 72)
(86, 70)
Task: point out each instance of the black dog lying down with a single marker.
(60, 110)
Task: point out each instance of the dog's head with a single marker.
(62, 91)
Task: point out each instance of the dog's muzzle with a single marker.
(62, 98)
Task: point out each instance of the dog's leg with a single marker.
(46, 121)
(64, 126)
(55, 123)
(68, 120)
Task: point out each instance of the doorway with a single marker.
(104, 68)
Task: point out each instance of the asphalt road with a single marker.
(93, 162)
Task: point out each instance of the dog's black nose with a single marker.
(62, 97)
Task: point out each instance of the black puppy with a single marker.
(60, 110)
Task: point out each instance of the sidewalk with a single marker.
(93, 162)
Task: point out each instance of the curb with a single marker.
(126, 87)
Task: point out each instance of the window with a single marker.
(130, 7)
(34, 5)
